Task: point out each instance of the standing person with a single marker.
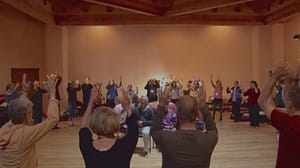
(107, 150)
(253, 108)
(279, 94)
(144, 119)
(86, 90)
(175, 91)
(18, 138)
(186, 147)
(112, 92)
(189, 88)
(218, 96)
(37, 100)
(73, 88)
(236, 100)
(286, 122)
(151, 87)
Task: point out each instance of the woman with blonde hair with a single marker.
(107, 150)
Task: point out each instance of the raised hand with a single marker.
(280, 72)
(51, 85)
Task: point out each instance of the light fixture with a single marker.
(297, 37)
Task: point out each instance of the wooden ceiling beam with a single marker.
(135, 6)
(33, 9)
(201, 5)
(140, 19)
(283, 14)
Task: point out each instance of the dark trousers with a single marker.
(236, 110)
(218, 103)
(110, 103)
(72, 109)
(37, 115)
(254, 115)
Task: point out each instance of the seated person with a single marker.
(286, 122)
(186, 147)
(170, 120)
(144, 119)
(17, 138)
(107, 151)
(118, 106)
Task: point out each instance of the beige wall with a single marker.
(292, 47)
(22, 43)
(142, 52)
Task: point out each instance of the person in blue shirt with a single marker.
(112, 92)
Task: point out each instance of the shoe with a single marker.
(146, 154)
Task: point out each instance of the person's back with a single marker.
(107, 151)
(17, 139)
(289, 138)
(186, 147)
(286, 122)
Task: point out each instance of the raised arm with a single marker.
(37, 131)
(120, 84)
(212, 82)
(137, 91)
(88, 112)
(265, 99)
(202, 95)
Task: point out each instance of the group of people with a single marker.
(185, 146)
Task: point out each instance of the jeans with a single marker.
(72, 108)
(254, 115)
(110, 103)
(236, 110)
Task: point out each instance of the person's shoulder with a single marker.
(84, 130)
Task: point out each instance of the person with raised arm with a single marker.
(253, 93)
(186, 147)
(235, 99)
(286, 122)
(86, 91)
(107, 150)
(72, 89)
(37, 100)
(18, 138)
(112, 92)
(218, 96)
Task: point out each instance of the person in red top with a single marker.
(253, 108)
(286, 122)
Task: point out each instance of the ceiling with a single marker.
(128, 12)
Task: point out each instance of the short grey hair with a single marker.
(145, 98)
(17, 110)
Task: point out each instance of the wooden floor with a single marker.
(239, 146)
